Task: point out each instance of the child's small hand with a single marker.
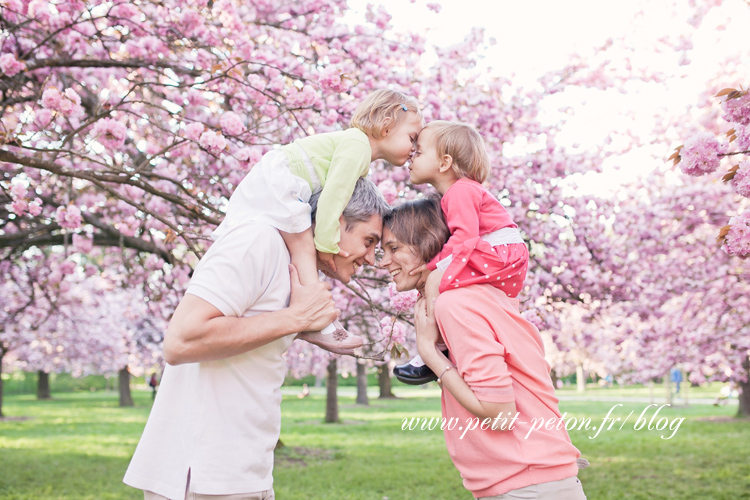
(327, 258)
(418, 270)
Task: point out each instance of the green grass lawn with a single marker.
(78, 445)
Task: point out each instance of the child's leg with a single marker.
(305, 258)
(415, 372)
(301, 248)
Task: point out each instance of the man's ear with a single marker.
(446, 163)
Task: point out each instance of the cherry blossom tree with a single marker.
(127, 125)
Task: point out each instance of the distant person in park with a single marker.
(277, 190)
(212, 431)
(152, 383)
(676, 376)
(485, 245)
(495, 375)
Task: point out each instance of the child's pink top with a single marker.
(500, 355)
(470, 211)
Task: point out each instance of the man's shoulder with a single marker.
(259, 237)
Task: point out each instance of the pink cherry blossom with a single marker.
(51, 99)
(82, 244)
(332, 79)
(231, 123)
(18, 190)
(435, 7)
(402, 301)
(68, 217)
(19, 207)
(213, 141)
(700, 154)
(738, 110)
(194, 131)
(35, 207)
(10, 65)
(741, 180)
(738, 239)
(110, 133)
(301, 98)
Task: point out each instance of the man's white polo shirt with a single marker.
(221, 419)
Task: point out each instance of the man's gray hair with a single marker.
(365, 202)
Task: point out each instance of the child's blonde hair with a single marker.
(464, 144)
(382, 110)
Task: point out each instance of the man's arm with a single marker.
(198, 331)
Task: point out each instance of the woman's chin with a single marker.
(404, 284)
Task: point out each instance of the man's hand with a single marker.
(311, 305)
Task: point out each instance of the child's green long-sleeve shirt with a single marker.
(339, 158)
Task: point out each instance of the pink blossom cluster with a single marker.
(303, 98)
(737, 110)
(82, 243)
(212, 141)
(10, 66)
(194, 130)
(533, 317)
(110, 133)
(68, 217)
(68, 102)
(402, 302)
(231, 123)
(700, 154)
(22, 202)
(247, 155)
(743, 137)
(332, 79)
(738, 238)
(435, 7)
(741, 180)
(393, 330)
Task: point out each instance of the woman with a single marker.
(508, 441)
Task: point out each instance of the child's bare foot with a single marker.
(334, 338)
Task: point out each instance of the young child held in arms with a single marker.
(277, 190)
(485, 246)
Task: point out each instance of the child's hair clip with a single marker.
(403, 106)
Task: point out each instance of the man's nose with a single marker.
(370, 256)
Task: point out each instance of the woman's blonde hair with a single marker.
(382, 110)
(464, 144)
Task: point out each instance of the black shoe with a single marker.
(415, 375)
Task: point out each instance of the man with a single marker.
(218, 417)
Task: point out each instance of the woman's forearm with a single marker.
(453, 382)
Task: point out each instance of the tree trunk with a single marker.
(668, 388)
(384, 382)
(744, 397)
(126, 399)
(2, 354)
(580, 379)
(554, 377)
(362, 384)
(42, 387)
(332, 401)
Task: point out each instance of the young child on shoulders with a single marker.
(278, 189)
(485, 246)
